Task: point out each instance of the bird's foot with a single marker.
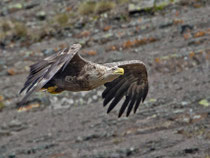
(53, 90)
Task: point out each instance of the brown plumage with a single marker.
(67, 70)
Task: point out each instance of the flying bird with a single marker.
(67, 70)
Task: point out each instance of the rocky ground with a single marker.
(171, 37)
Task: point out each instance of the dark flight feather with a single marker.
(136, 83)
(118, 96)
(123, 107)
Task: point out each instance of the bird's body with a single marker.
(80, 75)
(67, 70)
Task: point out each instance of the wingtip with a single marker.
(119, 115)
(108, 111)
(21, 91)
(134, 111)
(127, 114)
(19, 104)
(104, 103)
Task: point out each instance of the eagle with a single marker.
(66, 70)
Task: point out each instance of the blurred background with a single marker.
(172, 37)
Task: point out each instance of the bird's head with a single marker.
(112, 73)
(117, 71)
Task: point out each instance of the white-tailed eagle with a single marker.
(67, 70)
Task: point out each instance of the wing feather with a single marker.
(43, 71)
(135, 86)
(118, 96)
(117, 92)
(123, 107)
(112, 87)
(133, 100)
(138, 99)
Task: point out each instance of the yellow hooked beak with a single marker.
(119, 71)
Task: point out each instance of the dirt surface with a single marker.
(174, 43)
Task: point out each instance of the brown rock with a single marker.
(11, 71)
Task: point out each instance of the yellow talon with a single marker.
(52, 90)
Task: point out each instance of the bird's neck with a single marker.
(96, 75)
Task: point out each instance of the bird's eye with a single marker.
(113, 68)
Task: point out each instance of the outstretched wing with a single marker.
(133, 85)
(44, 70)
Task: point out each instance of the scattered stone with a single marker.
(2, 105)
(79, 139)
(30, 5)
(107, 28)
(186, 28)
(41, 15)
(15, 7)
(61, 103)
(184, 103)
(119, 153)
(11, 71)
(79, 25)
(28, 53)
(1, 98)
(81, 101)
(178, 111)
(48, 51)
(4, 132)
(95, 97)
(28, 107)
(89, 100)
(12, 156)
(199, 34)
(204, 102)
(91, 52)
(152, 100)
(99, 93)
(133, 8)
(168, 24)
(67, 102)
(91, 137)
(149, 7)
(191, 150)
(84, 34)
(129, 151)
(35, 149)
(16, 125)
